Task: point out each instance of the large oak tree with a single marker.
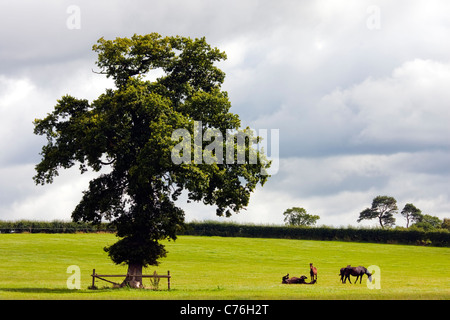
(126, 133)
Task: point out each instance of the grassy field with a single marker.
(34, 266)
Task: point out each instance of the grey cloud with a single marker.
(360, 111)
(404, 112)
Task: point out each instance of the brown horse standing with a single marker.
(357, 272)
(313, 272)
(342, 273)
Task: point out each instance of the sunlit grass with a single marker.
(33, 266)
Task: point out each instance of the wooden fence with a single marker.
(103, 276)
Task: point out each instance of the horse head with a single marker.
(369, 275)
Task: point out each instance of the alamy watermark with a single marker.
(234, 147)
(73, 21)
(373, 21)
(74, 280)
(374, 281)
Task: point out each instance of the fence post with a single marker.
(93, 278)
(168, 279)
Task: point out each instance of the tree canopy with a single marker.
(296, 216)
(411, 213)
(126, 133)
(383, 208)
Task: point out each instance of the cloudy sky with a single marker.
(359, 90)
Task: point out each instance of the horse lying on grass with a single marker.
(357, 272)
(295, 280)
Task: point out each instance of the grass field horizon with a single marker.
(34, 266)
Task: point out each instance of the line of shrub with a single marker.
(226, 229)
(374, 235)
(56, 226)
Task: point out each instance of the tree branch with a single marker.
(107, 163)
(101, 72)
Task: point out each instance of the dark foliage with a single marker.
(396, 236)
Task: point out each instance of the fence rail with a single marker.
(102, 276)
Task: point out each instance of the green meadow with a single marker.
(34, 266)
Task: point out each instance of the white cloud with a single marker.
(19, 106)
(22, 101)
(405, 111)
(409, 108)
(22, 199)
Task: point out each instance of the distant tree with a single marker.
(383, 208)
(446, 224)
(411, 213)
(428, 223)
(435, 222)
(296, 216)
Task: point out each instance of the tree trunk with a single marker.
(381, 221)
(134, 276)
